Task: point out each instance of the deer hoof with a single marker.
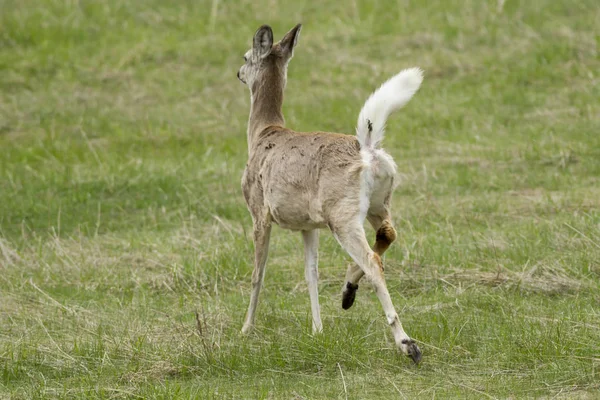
(348, 295)
(412, 350)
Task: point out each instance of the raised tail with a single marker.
(391, 96)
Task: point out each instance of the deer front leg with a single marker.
(311, 261)
(261, 237)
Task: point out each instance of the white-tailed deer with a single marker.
(306, 181)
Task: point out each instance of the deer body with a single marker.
(308, 181)
(300, 177)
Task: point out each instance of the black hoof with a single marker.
(413, 350)
(348, 295)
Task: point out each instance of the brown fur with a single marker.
(305, 179)
(310, 180)
(291, 173)
(384, 237)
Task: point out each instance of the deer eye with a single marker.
(245, 59)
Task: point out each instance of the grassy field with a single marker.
(125, 244)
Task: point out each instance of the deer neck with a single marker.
(266, 101)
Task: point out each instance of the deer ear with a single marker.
(290, 40)
(263, 41)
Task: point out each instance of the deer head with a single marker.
(268, 58)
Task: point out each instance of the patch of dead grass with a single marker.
(539, 278)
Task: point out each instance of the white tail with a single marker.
(391, 96)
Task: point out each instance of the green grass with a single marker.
(122, 138)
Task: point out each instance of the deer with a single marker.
(307, 181)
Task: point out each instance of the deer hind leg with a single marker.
(311, 261)
(352, 238)
(261, 237)
(381, 222)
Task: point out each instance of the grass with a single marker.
(125, 254)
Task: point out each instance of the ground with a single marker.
(125, 244)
